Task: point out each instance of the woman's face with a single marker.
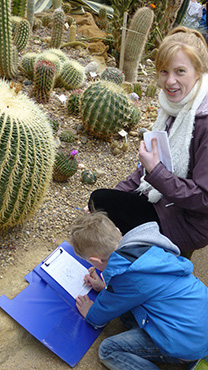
(178, 78)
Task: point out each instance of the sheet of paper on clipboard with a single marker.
(67, 271)
(163, 147)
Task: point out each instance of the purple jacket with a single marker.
(183, 209)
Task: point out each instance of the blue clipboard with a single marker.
(49, 313)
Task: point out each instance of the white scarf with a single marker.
(180, 134)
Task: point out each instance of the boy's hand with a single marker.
(93, 280)
(83, 304)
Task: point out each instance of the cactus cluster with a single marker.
(113, 74)
(136, 41)
(58, 27)
(65, 165)
(27, 151)
(105, 109)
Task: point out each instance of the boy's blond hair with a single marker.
(94, 234)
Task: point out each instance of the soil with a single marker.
(24, 246)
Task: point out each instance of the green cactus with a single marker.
(51, 57)
(67, 136)
(27, 64)
(26, 156)
(88, 177)
(138, 89)
(19, 7)
(22, 33)
(66, 8)
(103, 17)
(56, 4)
(73, 103)
(69, 19)
(113, 74)
(72, 75)
(58, 27)
(65, 166)
(8, 67)
(105, 109)
(72, 32)
(44, 79)
(59, 53)
(136, 39)
(30, 12)
(128, 87)
(151, 90)
(46, 19)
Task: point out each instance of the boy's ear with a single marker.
(97, 262)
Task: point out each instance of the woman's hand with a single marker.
(83, 304)
(149, 159)
(92, 279)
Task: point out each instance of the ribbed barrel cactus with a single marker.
(105, 109)
(27, 151)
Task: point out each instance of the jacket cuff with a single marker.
(154, 175)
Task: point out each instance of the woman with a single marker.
(178, 201)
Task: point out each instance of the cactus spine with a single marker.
(44, 78)
(26, 156)
(105, 109)
(7, 67)
(58, 27)
(136, 40)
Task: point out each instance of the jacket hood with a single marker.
(148, 234)
(155, 260)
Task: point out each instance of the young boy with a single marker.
(142, 272)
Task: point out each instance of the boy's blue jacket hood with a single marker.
(144, 237)
(146, 275)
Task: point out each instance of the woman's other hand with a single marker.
(149, 159)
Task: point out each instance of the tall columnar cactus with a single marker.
(19, 7)
(44, 79)
(8, 68)
(136, 40)
(58, 27)
(27, 151)
(105, 109)
(30, 12)
(72, 75)
(170, 14)
(21, 32)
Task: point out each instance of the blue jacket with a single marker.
(147, 276)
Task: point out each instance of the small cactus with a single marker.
(46, 19)
(58, 27)
(22, 33)
(59, 53)
(69, 19)
(88, 177)
(65, 165)
(103, 17)
(73, 104)
(128, 87)
(44, 79)
(67, 136)
(26, 155)
(151, 90)
(105, 109)
(113, 74)
(138, 89)
(66, 8)
(72, 32)
(27, 64)
(50, 57)
(72, 75)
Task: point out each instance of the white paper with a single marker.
(68, 272)
(163, 147)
